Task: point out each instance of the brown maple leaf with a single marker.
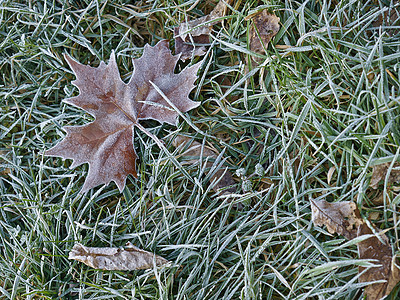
(106, 144)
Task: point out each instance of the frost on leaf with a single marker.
(124, 259)
(107, 143)
(197, 31)
(344, 218)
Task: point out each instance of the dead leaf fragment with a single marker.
(344, 218)
(195, 32)
(339, 217)
(379, 173)
(123, 259)
(107, 143)
(195, 149)
(265, 27)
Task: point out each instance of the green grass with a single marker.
(331, 100)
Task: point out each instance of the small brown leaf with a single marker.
(124, 259)
(344, 218)
(199, 34)
(224, 177)
(340, 217)
(379, 173)
(107, 143)
(265, 27)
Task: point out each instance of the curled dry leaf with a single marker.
(124, 259)
(330, 174)
(265, 27)
(107, 143)
(195, 149)
(379, 173)
(194, 32)
(344, 218)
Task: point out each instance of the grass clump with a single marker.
(326, 96)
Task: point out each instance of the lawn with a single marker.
(308, 121)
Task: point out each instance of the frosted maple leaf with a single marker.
(106, 144)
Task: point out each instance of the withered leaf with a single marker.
(379, 173)
(265, 27)
(344, 218)
(195, 149)
(199, 34)
(106, 144)
(123, 259)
